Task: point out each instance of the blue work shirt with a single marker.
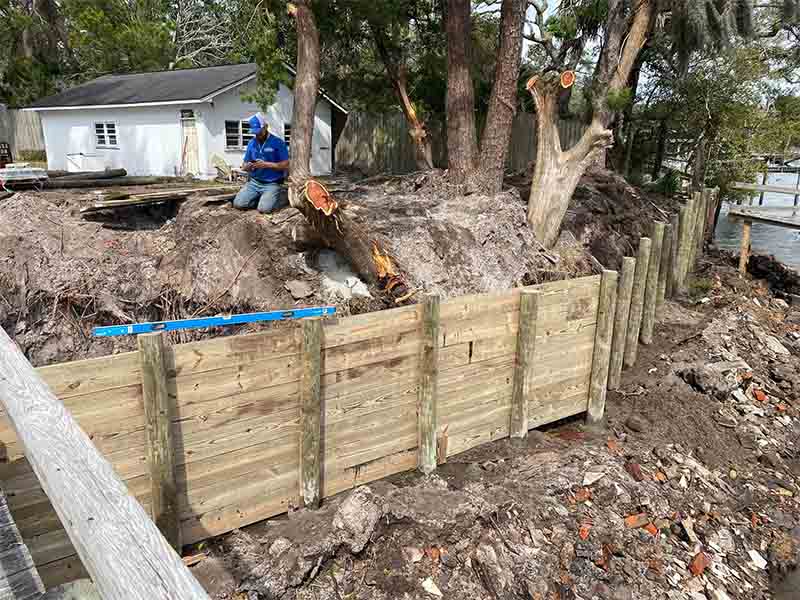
(273, 150)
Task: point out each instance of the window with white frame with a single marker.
(237, 135)
(106, 135)
(287, 134)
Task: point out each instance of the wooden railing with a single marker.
(118, 543)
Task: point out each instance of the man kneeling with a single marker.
(266, 160)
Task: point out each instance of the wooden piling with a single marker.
(651, 291)
(696, 208)
(637, 303)
(744, 255)
(606, 311)
(665, 270)
(311, 413)
(683, 247)
(623, 311)
(523, 369)
(672, 278)
(428, 384)
(153, 360)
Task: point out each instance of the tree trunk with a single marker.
(699, 168)
(503, 100)
(462, 147)
(397, 73)
(660, 149)
(336, 228)
(626, 167)
(557, 172)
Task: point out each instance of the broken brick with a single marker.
(781, 407)
(651, 529)
(699, 564)
(636, 521)
(660, 476)
(583, 495)
(635, 471)
(613, 446)
(759, 395)
(583, 532)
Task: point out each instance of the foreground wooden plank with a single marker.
(772, 189)
(121, 548)
(19, 579)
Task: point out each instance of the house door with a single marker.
(190, 157)
(320, 153)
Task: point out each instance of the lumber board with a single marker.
(19, 579)
(651, 287)
(210, 355)
(154, 355)
(773, 189)
(601, 355)
(310, 414)
(366, 326)
(764, 216)
(427, 425)
(351, 477)
(524, 363)
(637, 300)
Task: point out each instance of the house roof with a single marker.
(178, 86)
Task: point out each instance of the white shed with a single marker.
(171, 122)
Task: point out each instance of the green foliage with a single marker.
(263, 45)
(619, 100)
(669, 184)
(108, 37)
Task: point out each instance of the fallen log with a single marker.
(89, 175)
(60, 183)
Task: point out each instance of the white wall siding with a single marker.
(230, 107)
(151, 139)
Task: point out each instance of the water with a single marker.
(765, 239)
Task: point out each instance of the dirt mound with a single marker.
(61, 275)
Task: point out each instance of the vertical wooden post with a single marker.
(797, 187)
(696, 208)
(683, 247)
(651, 291)
(764, 181)
(606, 311)
(744, 255)
(637, 303)
(702, 221)
(311, 413)
(523, 369)
(428, 384)
(624, 292)
(672, 280)
(665, 269)
(158, 434)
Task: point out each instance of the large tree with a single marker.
(621, 29)
(481, 167)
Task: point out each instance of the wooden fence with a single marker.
(22, 130)
(214, 435)
(380, 143)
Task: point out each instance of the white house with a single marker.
(171, 122)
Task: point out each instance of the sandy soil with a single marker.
(690, 492)
(62, 274)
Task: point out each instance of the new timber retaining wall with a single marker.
(214, 435)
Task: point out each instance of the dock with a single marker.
(748, 216)
(771, 189)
